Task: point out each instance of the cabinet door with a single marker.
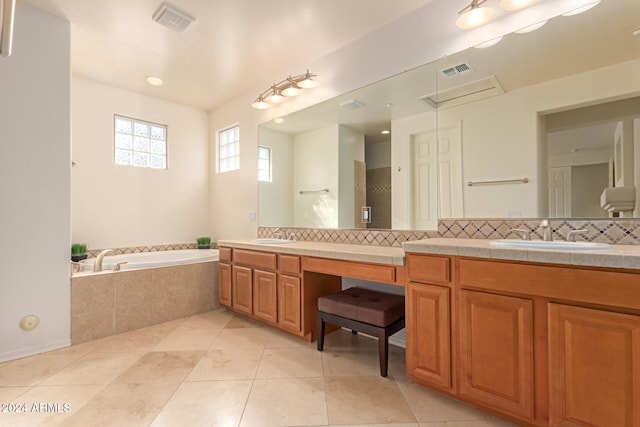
(264, 296)
(242, 286)
(428, 324)
(594, 367)
(224, 284)
(289, 306)
(496, 351)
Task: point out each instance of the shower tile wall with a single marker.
(379, 197)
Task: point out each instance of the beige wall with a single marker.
(34, 184)
(119, 206)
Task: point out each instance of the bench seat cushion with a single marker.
(364, 305)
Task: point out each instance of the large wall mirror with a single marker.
(541, 124)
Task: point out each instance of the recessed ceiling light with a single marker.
(278, 120)
(388, 105)
(155, 81)
(583, 8)
(385, 132)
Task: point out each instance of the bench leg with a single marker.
(383, 350)
(320, 332)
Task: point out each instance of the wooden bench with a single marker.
(363, 310)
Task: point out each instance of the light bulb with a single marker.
(292, 89)
(260, 104)
(475, 17)
(515, 4)
(308, 82)
(276, 96)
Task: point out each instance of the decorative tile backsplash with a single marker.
(623, 232)
(620, 232)
(137, 249)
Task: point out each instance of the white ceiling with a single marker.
(233, 45)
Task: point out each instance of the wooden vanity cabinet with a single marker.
(428, 321)
(594, 367)
(289, 293)
(242, 289)
(539, 344)
(263, 285)
(496, 351)
(224, 277)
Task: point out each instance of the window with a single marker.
(229, 149)
(264, 163)
(139, 143)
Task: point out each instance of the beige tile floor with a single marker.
(217, 369)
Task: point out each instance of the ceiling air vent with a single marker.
(463, 94)
(351, 104)
(171, 17)
(456, 70)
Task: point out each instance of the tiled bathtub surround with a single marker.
(104, 304)
(620, 232)
(137, 249)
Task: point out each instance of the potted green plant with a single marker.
(204, 242)
(78, 251)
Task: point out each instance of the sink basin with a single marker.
(273, 241)
(555, 244)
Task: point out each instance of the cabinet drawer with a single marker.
(429, 268)
(225, 254)
(255, 259)
(289, 264)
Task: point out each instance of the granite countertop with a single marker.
(616, 256)
(347, 252)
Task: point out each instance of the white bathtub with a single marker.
(154, 259)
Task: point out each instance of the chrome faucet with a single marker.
(523, 233)
(547, 235)
(283, 233)
(571, 236)
(97, 266)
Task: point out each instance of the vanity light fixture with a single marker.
(636, 32)
(291, 86)
(582, 8)
(531, 28)
(474, 15)
(515, 4)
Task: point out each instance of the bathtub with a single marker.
(152, 288)
(153, 259)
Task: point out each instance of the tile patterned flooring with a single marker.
(217, 369)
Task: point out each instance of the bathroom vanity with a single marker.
(527, 334)
(541, 337)
(279, 284)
